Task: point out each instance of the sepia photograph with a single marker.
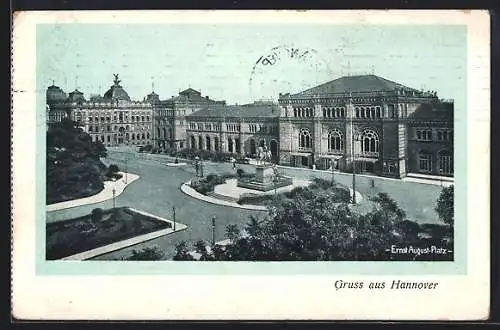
(294, 144)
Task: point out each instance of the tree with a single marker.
(182, 252)
(148, 253)
(232, 232)
(445, 206)
(113, 168)
(312, 227)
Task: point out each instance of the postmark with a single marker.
(287, 68)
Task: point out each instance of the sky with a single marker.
(219, 60)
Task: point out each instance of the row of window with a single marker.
(108, 119)
(205, 126)
(303, 112)
(107, 128)
(427, 134)
(233, 127)
(368, 112)
(142, 136)
(254, 128)
(369, 141)
(445, 162)
(334, 112)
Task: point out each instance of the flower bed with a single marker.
(100, 228)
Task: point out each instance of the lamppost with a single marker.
(114, 192)
(173, 209)
(197, 165)
(201, 167)
(275, 178)
(213, 230)
(126, 167)
(333, 163)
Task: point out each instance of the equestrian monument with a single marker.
(267, 175)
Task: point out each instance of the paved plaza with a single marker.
(157, 191)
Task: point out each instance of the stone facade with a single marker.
(169, 117)
(235, 129)
(113, 119)
(377, 125)
(369, 121)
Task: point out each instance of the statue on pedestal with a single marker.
(264, 155)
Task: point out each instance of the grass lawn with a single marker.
(65, 238)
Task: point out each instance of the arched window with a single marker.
(445, 162)
(357, 112)
(378, 112)
(200, 142)
(253, 149)
(147, 136)
(193, 142)
(143, 136)
(216, 143)
(230, 145)
(208, 144)
(305, 139)
(295, 112)
(425, 161)
(133, 136)
(369, 142)
(334, 141)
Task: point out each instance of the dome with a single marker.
(116, 92)
(55, 94)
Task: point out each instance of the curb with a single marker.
(185, 188)
(101, 196)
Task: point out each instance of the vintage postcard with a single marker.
(251, 165)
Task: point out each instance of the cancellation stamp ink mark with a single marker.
(302, 67)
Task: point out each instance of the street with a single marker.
(157, 191)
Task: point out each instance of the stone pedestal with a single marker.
(264, 174)
(263, 180)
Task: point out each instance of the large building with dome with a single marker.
(113, 118)
(364, 122)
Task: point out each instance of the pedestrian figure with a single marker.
(234, 162)
(372, 183)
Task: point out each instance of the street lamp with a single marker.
(197, 165)
(114, 192)
(275, 178)
(333, 163)
(213, 230)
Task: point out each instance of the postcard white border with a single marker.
(247, 297)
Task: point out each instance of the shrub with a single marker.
(148, 253)
(255, 199)
(207, 184)
(240, 172)
(113, 168)
(96, 214)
